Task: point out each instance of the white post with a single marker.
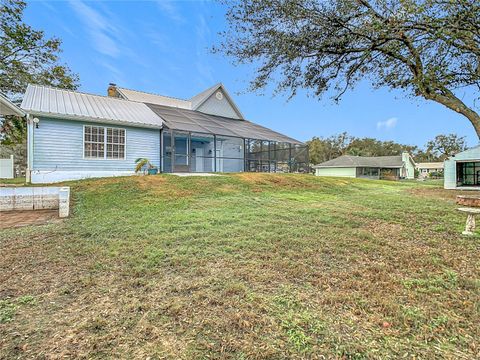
(30, 126)
(64, 202)
(13, 165)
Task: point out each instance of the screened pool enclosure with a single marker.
(184, 151)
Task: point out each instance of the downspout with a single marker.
(30, 147)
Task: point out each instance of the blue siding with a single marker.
(450, 165)
(58, 145)
(218, 107)
(449, 174)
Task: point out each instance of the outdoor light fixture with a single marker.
(36, 121)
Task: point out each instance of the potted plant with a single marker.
(143, 164)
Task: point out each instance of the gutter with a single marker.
(96, 120)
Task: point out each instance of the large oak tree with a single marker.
(427, 48)
(26, 56)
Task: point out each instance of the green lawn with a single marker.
(247, 266)
(15, 181)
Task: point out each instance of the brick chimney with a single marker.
(112, 90)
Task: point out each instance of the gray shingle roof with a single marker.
(48, 101)
(364, 161)
(196, 121)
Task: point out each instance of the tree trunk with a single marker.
(455, 104)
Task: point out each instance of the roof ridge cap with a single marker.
(82, 93)
(155, 94)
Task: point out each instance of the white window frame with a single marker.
(104, 143)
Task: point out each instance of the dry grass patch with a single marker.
(247, 266)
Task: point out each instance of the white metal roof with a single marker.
(9, 108)
(144, 97)
(192, 104)
(53, 102)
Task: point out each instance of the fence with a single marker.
(6, 168)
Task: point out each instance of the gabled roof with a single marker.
(67, 104)
(196, 121)
(199, 99)
(364, 161)
(9, 108)
(192, 104)
(145, 97)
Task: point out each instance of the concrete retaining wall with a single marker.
(35, 198)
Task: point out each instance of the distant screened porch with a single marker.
(378, 173)
(468, 173)
(183, 151)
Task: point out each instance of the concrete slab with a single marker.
(195, 174)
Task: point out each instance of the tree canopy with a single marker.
(437, 149)
(26, 56)
(427, 48)
(444, 146)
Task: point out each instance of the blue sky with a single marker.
(163, 47)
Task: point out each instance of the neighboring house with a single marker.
(73, 135)
(426, 168)
(375, 167)
(462, 171)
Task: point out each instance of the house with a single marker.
(373, 167)
(426, 168)
(462, 171)
(74, 135)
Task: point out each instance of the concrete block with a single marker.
(64, 202)
(36, 198)
(7, 199)
(23, 198)
(45, 198)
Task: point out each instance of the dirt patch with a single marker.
(277, 180)
(10, 219)
(381, 228)
(146, 182)
(440, 193)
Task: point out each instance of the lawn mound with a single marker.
(241, 266)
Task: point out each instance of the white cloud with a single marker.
(105, 36)
(204, 69)
(387, 124)
(169, 9)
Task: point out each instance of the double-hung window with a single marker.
(103, 142)
(115, 143)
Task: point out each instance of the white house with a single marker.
(371, 167)
(426, 168)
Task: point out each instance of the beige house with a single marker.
(425, 168)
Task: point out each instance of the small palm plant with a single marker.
(143, 164)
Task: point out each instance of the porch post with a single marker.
(214, 153)
(30, 139)
(161, 150)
